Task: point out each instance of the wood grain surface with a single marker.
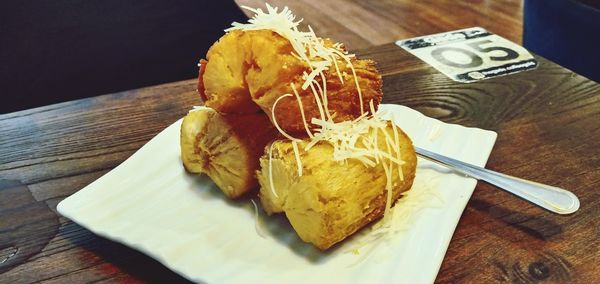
(548, 130)
(361, 24)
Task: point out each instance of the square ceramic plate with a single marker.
(151, 204)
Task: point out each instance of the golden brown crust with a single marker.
(330, 201)
(224, 82)
(343, 98)
(248, 71)
(225, 147)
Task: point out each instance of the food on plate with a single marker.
(248, 70)
(225, 147)
(330, 162)
(332, 199)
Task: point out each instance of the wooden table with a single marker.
(361, 24)
(548, 124)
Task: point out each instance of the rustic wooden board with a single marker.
(361, 24)
(548, 130)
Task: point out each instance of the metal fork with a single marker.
(551, 198)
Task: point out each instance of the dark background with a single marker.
(55, 51)
(566, 32)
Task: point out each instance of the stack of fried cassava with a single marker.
(257, 131)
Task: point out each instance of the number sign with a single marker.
(470, 55)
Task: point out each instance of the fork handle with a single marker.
(551, 198)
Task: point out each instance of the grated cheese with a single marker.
(307, 46)
(301, 110)
(275, 119)
(400, 218)
(257, 223)
(271, 183)
(357, 139)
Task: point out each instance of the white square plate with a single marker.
(151, 204)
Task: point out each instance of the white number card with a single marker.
(470, 55)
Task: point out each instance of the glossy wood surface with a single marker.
(548, 130)
(361, 24)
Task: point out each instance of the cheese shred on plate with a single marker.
(357, 139)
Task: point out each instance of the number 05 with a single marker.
(476, 60)
(510, 54)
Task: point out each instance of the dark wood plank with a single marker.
(362, 24)
(320, 20)
(53, 142)
(58, 149)
(548, 130)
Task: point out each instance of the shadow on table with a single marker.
(537, 227)
(534, 226)
(128, 260)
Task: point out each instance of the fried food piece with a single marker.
(248, 71)
(331, 200)
(222, 79)
(225, 147)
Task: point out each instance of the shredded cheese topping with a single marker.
(307, 46)
(257, 222)
(358, 139)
